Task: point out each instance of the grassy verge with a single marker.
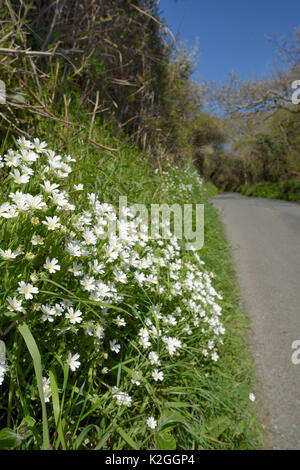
(233, 379)
(77, 373)
(288, 190)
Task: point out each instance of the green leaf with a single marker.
(11, 314)
(105, 436)
(165, 441)
(83, 434)
(9, 439)
(127, 438)
(56, 407)
(2, 351)
(217, 426)
(170, 419)
(36, 357)
(28, 421)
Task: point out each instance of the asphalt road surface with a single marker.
(264, 236)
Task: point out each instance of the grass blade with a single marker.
(127, 438)
(56, 407)
(36, 357)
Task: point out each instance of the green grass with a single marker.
(211, 189)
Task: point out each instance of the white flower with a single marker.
(39, 146)
(48, 187)
(76, 269)
(120, 321)
(11, 159)
(58, 310)
(143, 333)
(252, 397)
(122, 397)
(26, 170)
(8, 254)
(135, 381)
(120, 276)
(17, 196)
(21, 204)
(74, 317)
(54, 160)
(46, 389)
(59, 199)
(172, 344)
(140, 277)
(74, 249)
(69, 159)
(15, 305)
(27, 290)
(37, 240)
(29, 255)
(215, 356)
(144, 342)
(153, 357)
(171, 320)
(78, 187)
(88, 283)
(96, 267)
(19, 178)
(5, 210)
(157, 375)
(99, 332)
(73, 362)
(127, 400)
(34, 220)
(52, 222)
(52, 265)
(89, 237)
(187, 330)
(151, 422)
(34, 277)
(24, 143)
(28, 156)
(114, 346)
(35, 202)
(48, 313)
(3, 369)
(102, 290)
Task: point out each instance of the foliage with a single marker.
(288, 190)
(95, 314)
(123, 66)
(263, 145)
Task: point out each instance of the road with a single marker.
(264, 235)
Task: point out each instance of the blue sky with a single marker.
(232, 33)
